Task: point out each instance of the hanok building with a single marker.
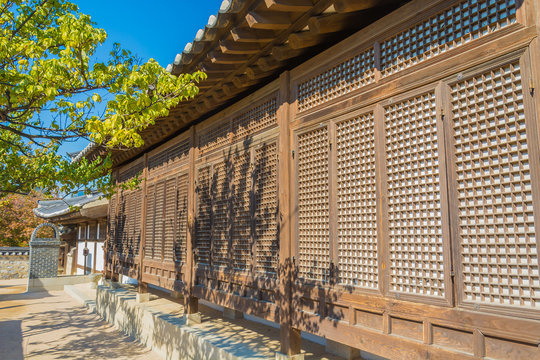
(83, 224)
(367, 171)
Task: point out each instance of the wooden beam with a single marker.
(227, 89)
(220, 58)
(187, 58)
(333, 23)
(243, 81)
(218, 95)
(253, 35)
(268, 20)
(207, 102)
(200, 108)
(210, 34)
(289, 5)
(284, 52)
(237, 47)
(217, 71)
(305, 39)
(210, 68)
(256, 72)
(178, 123)
(345, 6)
(198, 47)
(268, 63)
(211, 81)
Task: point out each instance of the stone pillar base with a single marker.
(281, 356)
(232, 314)
(193, 319)
(342, 350)
(143, 297)
(177, 295)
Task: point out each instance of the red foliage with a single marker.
(17, 220)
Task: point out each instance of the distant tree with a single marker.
(17, 220)
(51, 91)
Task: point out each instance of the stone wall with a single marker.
(13, 266)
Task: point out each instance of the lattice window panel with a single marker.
(203, 222)
(121, 235)
(256, 119)
(241, 214)
(221, 212)
(266, 202)
(495, 206)
(129, 225)
(157, 245)
(453, 27)
(181, 218)
(348, 76)
(132, 228)
(131, 172)
(111, 223)
(414, 198)
(150, 215)
(169, 220)
(214, 137)
(93, 232)
(156, 163)
(356, 202)
(313, 205)
(127, 214)
(166, 160)
(138, 216)
(179, 152)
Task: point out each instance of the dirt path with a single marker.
(51, 325)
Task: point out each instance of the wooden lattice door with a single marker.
(494, 143)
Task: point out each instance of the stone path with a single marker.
(51, 325)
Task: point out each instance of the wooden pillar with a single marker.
(95, 254)
(289, 336)
(191, 302)
(86, 233)
(114, 275)
(142, 287)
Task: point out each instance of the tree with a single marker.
(17, 221)
(52, 90)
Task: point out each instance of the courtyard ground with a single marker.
(52, 325)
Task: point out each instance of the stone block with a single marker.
(143, 297)
(281, 356)
(193, 319)
(177, 295)
(342, 350)
(232, 314)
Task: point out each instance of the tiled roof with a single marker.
(47, 209)
(247, 44)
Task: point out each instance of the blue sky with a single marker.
(150, 29)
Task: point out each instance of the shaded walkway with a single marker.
(51, 325)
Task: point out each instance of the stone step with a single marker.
(83, 297)
(160, 324)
